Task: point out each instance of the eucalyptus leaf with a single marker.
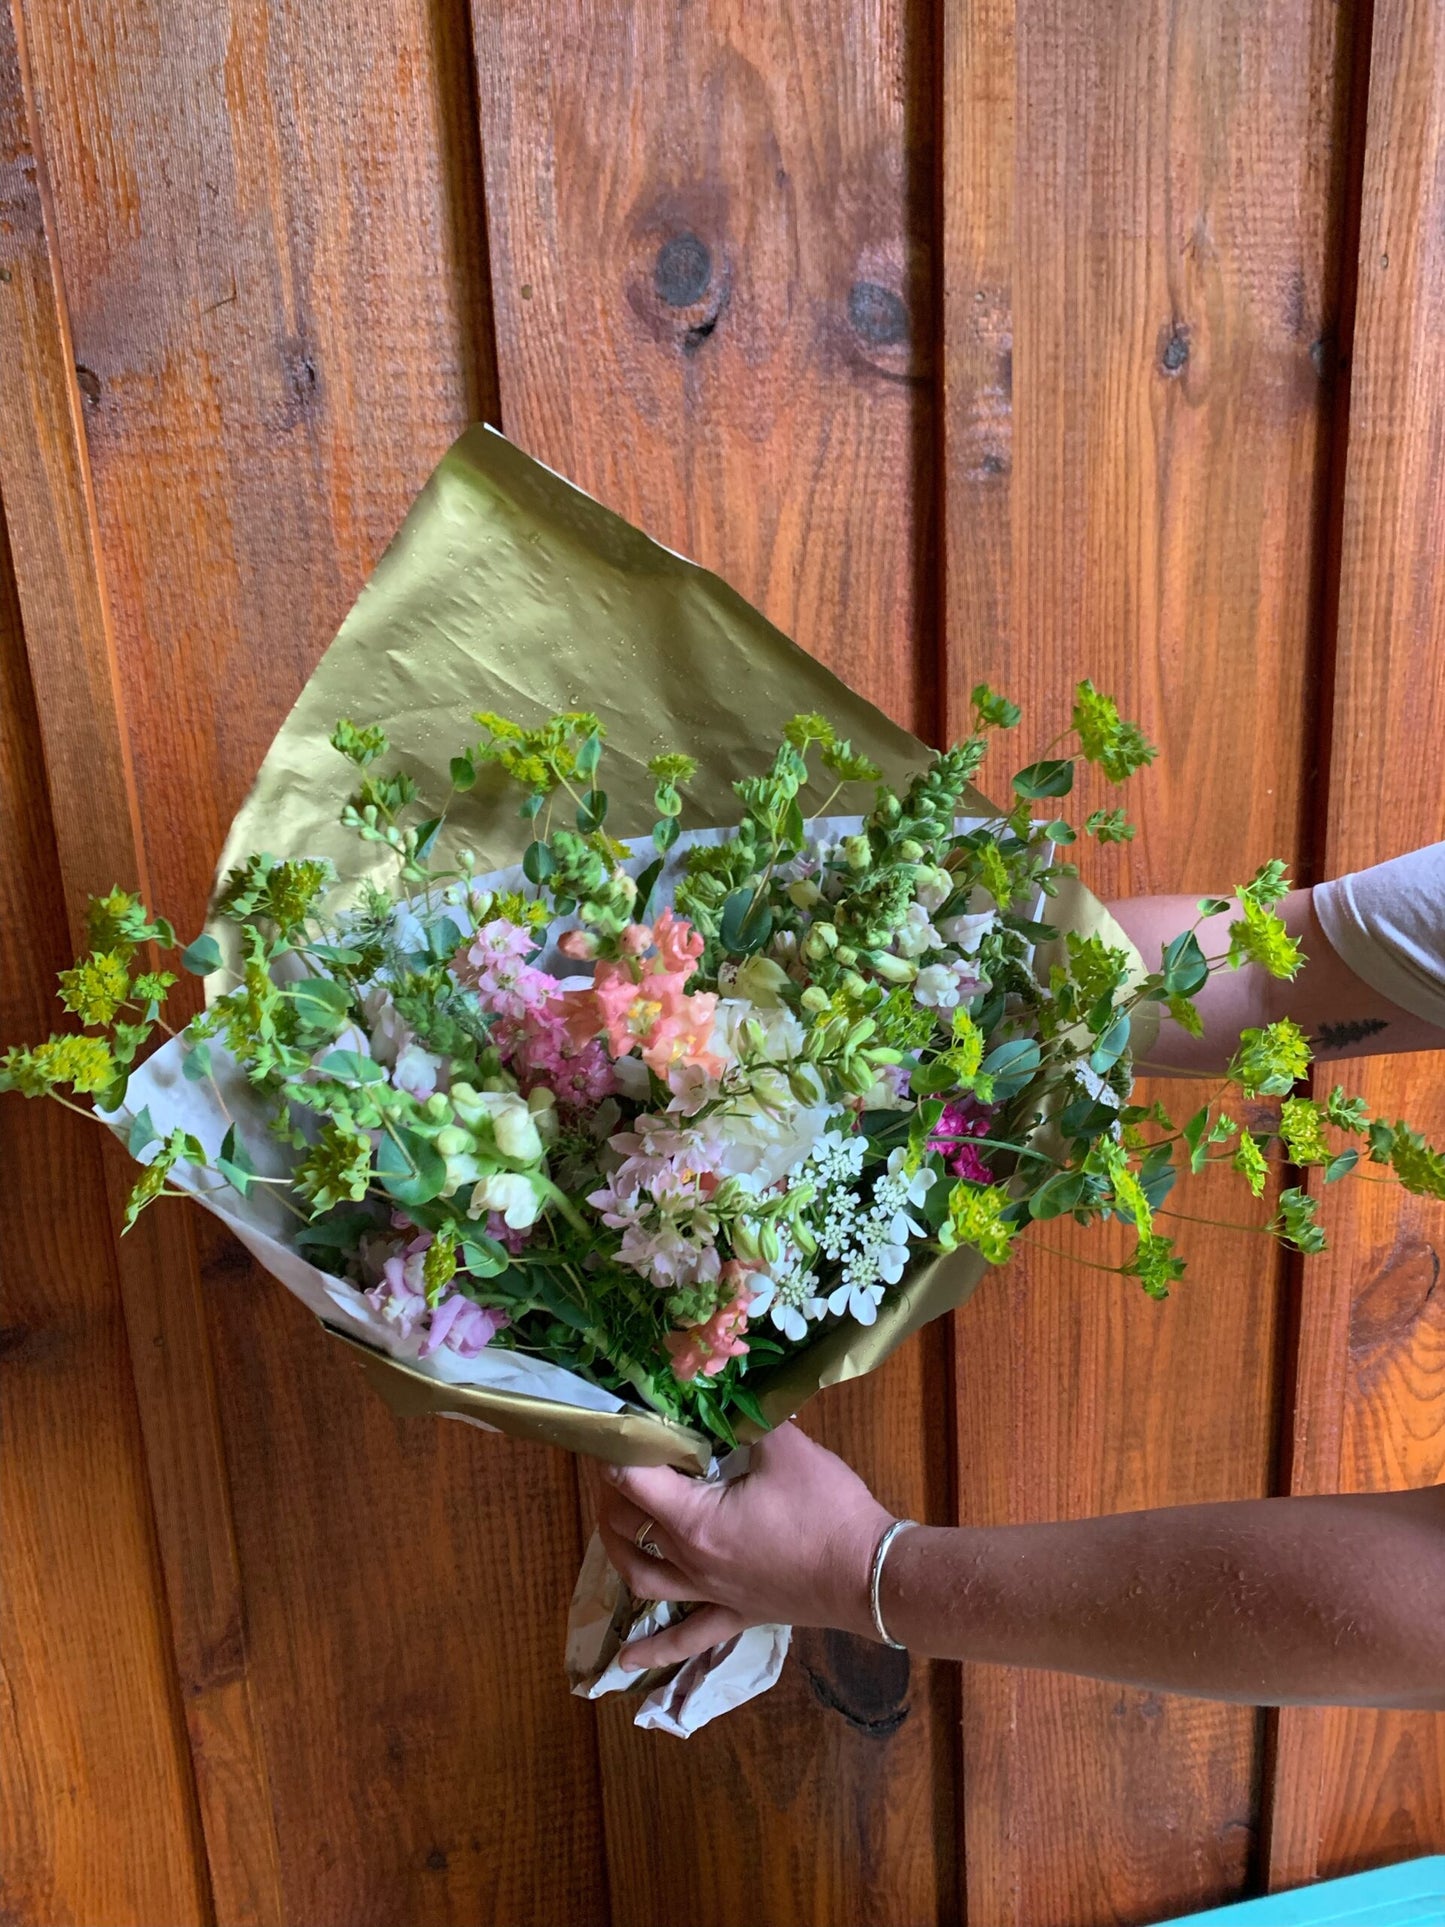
(201, 957)
(1049, 778)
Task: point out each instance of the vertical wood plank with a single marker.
(269, 226)
(1133, 484)
(1353, 1789)
(98, 1818)
(45, 478)
(709, 229)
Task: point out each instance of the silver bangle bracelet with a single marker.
(875, 1582)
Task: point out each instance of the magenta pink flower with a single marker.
(962, 1119)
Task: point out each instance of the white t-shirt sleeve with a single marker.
(1388, 924)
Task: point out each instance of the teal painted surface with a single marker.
(1410, 1895)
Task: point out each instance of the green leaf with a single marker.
(1030, 929)
(1063, 1192)
(1213, 906)
(196, 1064)
(592, 811)
(748, 1405)
(413, 1171)
(646, 884)
(589, 755)
(321, 1003)
(1185, 968)
(996, 711)
(1193, 1134)
(201, 957)
(1157, 1175)
(1061, 832)
(484, 1257)
(142, 1132)
(531, 805)
(334, 953)
(443, 939)
(1085, 1117)
(665, 832)
(353, 1066)
(1342, 1165)
(464, 772)
(1010, 1066)
(741, 930)
(538, 863)
(928, 1079)
(1052, 778)
(555, 1298)
(426, 836)
(1019, 1057)
(1111, 1046)
(235, 1164)
(338, 1231)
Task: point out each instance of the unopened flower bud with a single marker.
(813, 998)
(846, 955)
(770, 1244)
(803, 1083)
(746, 1243)
(452, 1141)
(894, 970)
(857, 1077)
(857, 852)
(804, 894)
(911, 850)
(437, 1107)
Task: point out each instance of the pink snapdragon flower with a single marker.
(463, 1326)
(706, 1348)
(400, 1296)
(638, 1002)
(961, 1119)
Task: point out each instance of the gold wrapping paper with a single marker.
(508, 589)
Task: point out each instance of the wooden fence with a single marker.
(968, 339)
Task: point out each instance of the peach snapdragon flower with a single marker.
(637, 1001)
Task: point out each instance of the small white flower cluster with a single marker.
(867, 1240)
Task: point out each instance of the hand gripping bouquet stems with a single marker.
(617, 1030)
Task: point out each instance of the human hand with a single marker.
(790, 1542)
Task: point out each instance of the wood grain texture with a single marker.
(1358, 1788)
(1133, 492)
(269, 232)
(98, 1815)
(45, 478)
(709, 230)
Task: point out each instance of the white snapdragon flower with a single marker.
(511, 1194)
(967, 932)
(932, 888)
(916, 934)
(936, 987)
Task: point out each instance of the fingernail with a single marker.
(629, 1662)
(612, 1473)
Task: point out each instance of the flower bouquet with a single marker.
(635, 1142)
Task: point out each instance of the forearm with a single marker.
(1269, 1602)
(1341, 1014)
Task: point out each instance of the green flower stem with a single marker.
(1072, 1257)
(1220, 1224)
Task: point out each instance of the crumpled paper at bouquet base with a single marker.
(509, 590)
